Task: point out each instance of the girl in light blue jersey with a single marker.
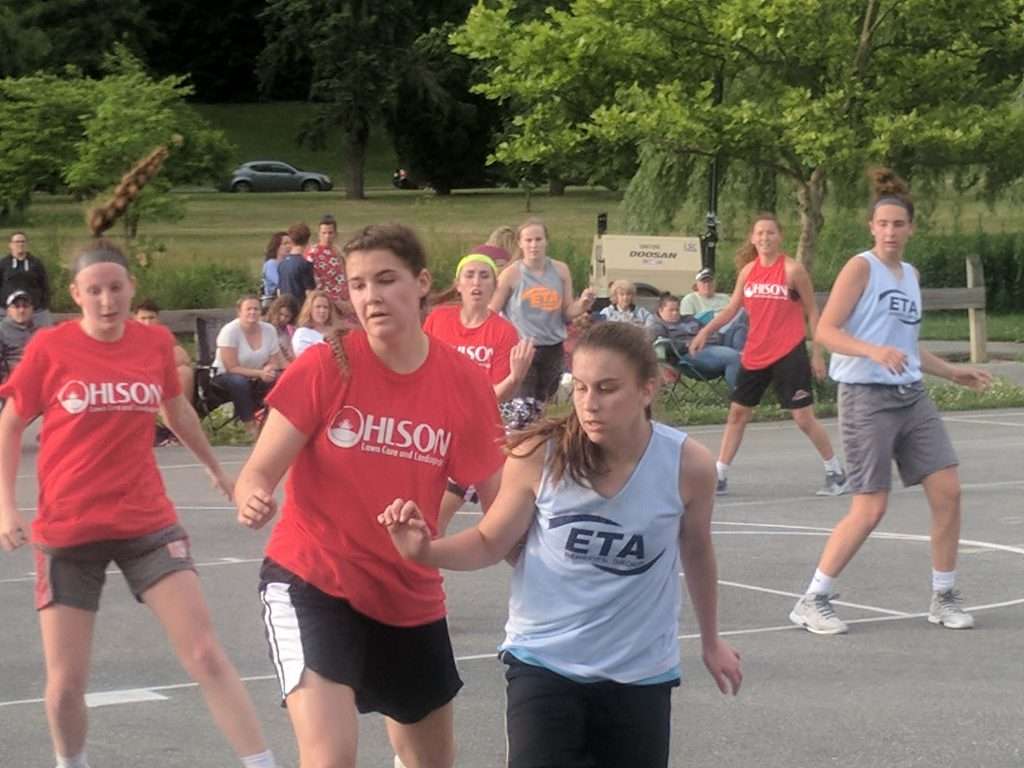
(611, 506)
(871, 324)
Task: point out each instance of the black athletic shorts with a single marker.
(545, 373)
(555, 722)
(404, 673)
(791, 375)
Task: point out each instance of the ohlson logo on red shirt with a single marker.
(77, 396)
(479, 355)
(766, 291)
(386, 435)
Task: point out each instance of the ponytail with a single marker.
(889, 189)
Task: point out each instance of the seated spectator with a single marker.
(147, 312)
(16, 329)
(316, 318)
(248, 361)
(678, 330)
(704, 303)
(278, 247)
(281, 314)
(622, 309)
(295, 274)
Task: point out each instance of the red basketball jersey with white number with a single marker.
(776, 315)
(488, 345)
(98, 477)
(376, 435)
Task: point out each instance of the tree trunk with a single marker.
(810, 197)
(556, 187)
(357, 138)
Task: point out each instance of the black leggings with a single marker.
(554, 722)
(541, 381)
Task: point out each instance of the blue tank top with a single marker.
(535, 305)
(888, 313)
(596, 594)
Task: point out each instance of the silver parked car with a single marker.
(275, 176)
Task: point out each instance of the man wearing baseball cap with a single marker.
(704, 303)
(15, 330)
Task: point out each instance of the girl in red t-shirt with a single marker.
(373, 414)
(777, 293)
(482, 335)
(99, 383)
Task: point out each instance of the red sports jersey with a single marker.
(98, 477)
(374, 436)
(487, 345)
(776, 315)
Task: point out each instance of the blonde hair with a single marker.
(305, 318)
(507, 238)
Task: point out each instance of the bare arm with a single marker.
(723, 316)
(229, 357)
(573, 308)
(965, 376)
(519, 359)
(507, 281)
(180, 416)
(505, 523)
(276, 448)
(697, 480)
(800, 280)
(12, 525)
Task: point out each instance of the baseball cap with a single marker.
(705, 274)
(495, 252)
(15, 295)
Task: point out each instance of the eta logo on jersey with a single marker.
(900, 306)
(614, 552)
(77, 396)
(389, 436)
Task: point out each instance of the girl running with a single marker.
(99, 383)
(871, 324)
(351, 626)
(776, 292)
(608, 501)
(482, 335)
(535, 294)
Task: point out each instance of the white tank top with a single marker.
(888, 313)
(596, 593)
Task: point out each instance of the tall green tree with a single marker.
(23, 47)
(814, 89)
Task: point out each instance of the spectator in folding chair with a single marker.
(248, 361)
(672, 332)
(705, 301)
(623, 309)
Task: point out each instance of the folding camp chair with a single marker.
(209, 396)
(682, 382)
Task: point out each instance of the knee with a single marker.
(65, 690)
(204, 659)
(869, 513)
(440, 756)
(739, 415)
(804, 418)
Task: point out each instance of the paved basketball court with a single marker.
(896, 691)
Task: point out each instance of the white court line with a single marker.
(114, 571)
(493, 654)
(766, 590)
(961, 420)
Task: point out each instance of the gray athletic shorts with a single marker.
(74, 576)
(880, 423)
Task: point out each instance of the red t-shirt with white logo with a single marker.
(98, 477)
(488, 345)
(376, 435)
(776, 315)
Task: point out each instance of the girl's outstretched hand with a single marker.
(409, 531)
(723, 662)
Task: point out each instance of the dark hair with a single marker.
(397, 238)
(274, 244)
(329, 219)
(285, 300)
(102, 217)
(666, 298)
(747, 252)
(889, 189)
(573, 452)
(148, 305)
(298, 233)
(246, 297)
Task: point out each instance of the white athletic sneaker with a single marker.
(814, 613)
(835, 484)
(398, 762)
(945, 610)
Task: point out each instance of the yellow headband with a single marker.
(483, 258)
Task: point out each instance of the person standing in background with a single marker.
(21, 271)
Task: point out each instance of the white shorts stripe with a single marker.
(283, 635)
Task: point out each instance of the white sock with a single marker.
(261, 760)
(833, 465)
(943, 581)
(78, 761)
(722, 469)
(821, 584)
